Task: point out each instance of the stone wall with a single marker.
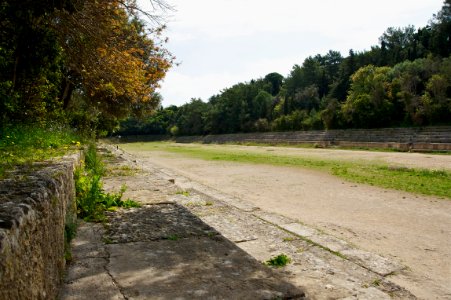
(36, 202)
(404, 139)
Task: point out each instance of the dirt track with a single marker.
(415, 230)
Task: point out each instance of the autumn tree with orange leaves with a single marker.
(105, 64)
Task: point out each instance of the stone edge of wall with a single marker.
(36, 202)
(403, 139)
(437, 138)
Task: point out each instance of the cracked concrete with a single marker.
(208, 245)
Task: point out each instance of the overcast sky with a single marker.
(222, 42)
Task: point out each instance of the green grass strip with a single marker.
(419, 181)
(24, 144)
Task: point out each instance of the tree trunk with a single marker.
(16, 64)
(68, 88)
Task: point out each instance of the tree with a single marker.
(111, 57)
(261, 105)
(340, 85)
(397, 45)
(192, 116)
(307, 99)
(370, 102)
(30, 60)
(436, 100)
(440, 41)
(56, 54)
(275, 81)
(331, 114)
(292, 85)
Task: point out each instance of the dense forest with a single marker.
(405, 80)
(81, 64)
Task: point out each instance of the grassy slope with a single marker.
(27, 144)
(427, 182)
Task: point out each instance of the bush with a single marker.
(174, 130)
(278, 261)
(92, 201)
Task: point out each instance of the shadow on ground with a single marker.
(163, 251)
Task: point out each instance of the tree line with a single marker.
(82, 63)
(405, 80)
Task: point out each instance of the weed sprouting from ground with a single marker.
(70, 231)
(92, 200)
(376, 282)
(173, 237)
(121, 170)
(184, 193)
(278, 261)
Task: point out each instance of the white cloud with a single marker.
(177, 86)
(223, 42)
(226, 18)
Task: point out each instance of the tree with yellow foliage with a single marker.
(80, 60)
(111, 60)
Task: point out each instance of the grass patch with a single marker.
(173, 237)
(92, 200)
(70, 231)
(264, 144)
(420, 181)
(183, 193)
(22, 144)
(278, 261)
(107, 240)
(376, 282)
(318, 145)
(121, 171)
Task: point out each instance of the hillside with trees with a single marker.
(405, 80)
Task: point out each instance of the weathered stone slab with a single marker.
(87, 277)
(376, 263)
(154, 222)
(200, 267)
(300, 229)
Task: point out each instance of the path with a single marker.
(162, 251)
(205, 244)
(414, 231)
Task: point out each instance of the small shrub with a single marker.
(92, 201)
(174, 130)
(376, 282)
(173, 237)
(93, 163)
(70, 231)
(184, 193)
(278, 261)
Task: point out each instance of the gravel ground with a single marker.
(411, 230)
